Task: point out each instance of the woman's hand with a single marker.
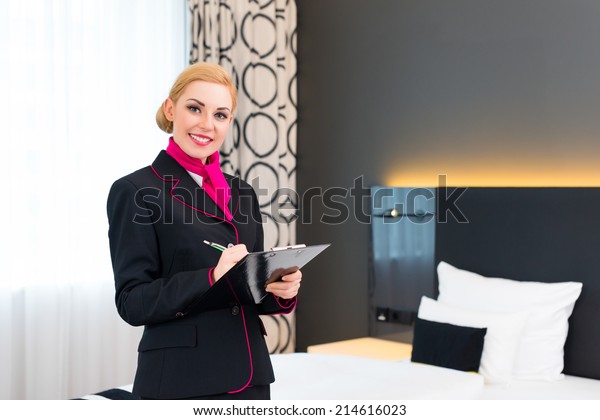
(288, 287)
(229, 258)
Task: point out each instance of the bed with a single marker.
(544, 242)
(523, 263)
(518, 283)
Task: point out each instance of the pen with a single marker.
(215, 245)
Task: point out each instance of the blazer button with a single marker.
(179, 314)
(235, 310)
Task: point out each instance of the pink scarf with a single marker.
(213, 180)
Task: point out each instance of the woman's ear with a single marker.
(169, 109)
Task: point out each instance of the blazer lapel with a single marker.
(185, 189)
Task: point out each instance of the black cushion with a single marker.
(447, 345)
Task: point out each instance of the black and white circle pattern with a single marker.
(255, 40)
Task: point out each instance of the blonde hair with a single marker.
(206, 72)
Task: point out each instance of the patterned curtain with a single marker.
(255, 40)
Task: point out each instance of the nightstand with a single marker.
(369, 347)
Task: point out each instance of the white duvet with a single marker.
(310, 376)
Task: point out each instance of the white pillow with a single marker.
(501, 339)
(541, 348)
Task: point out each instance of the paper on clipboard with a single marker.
(257, 269)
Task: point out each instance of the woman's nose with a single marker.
(206, 122)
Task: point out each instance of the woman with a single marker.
(159, 218)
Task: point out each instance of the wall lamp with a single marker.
(395, 213)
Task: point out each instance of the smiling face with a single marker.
(201, 117)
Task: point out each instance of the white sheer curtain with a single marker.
(80, 83)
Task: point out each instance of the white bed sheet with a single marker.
(310, 376)
(569, 388)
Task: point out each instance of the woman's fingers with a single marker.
(287, 287)
(229, 257)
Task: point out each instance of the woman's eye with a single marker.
(221, 116)
(193, 108)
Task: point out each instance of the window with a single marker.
(81, 81)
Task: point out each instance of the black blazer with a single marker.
(158, 218)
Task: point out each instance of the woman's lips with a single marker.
(200, 140)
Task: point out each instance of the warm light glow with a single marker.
(495, 175)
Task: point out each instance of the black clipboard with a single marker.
(249, 277)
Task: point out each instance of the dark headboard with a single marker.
(535, 234)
